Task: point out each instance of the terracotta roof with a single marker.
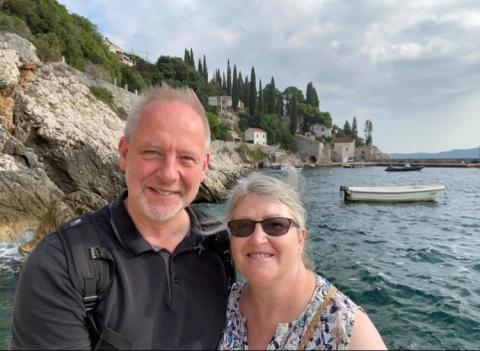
(258, 130)
(344, 140)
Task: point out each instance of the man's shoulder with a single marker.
(52, 243)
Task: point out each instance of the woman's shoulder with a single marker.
(335, 313)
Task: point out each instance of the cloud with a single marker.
(400, 64)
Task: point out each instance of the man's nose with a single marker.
(168, 169)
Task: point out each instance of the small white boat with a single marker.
(411, 193)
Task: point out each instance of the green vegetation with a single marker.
(351, 130)
(106, 96)
(246, 154)
(56, 33)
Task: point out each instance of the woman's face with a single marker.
(260, 257)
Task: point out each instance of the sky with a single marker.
(411, 67)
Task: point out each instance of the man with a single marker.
(168, 291)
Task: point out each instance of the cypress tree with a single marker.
(253, 93)
(224, 84)
(186, 57)
(280, 108)
(261, 106)
(293, 116)
(240, 83)
(218, 78)
(315, 97)
(354, 127)
(235, 89)
(200, 68)
(192, 61)
(229, 79)
(270, 98)
(205, 71)
(310, 94)
(246, 92)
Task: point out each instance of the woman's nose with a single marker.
(258, 234)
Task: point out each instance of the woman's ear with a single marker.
(302, 237)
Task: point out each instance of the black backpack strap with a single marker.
(218, 242)
(90, 265)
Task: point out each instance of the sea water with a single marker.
(414, 267)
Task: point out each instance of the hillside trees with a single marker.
(252, 100)
(311, 96)
(56, 33)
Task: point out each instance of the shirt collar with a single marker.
(130, 238)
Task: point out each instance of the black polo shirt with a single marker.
(158, 300)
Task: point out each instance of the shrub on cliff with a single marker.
(106, 97)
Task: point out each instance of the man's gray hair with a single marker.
(263, 185)
(167, 93)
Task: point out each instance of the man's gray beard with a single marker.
(159, 217)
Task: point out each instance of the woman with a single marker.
(283, 304)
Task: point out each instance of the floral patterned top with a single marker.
(333, 332)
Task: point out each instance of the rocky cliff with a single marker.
(58, 146)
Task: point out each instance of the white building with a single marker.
(120, 53)
(344, 148)
(221, 102)
(321, 131)
(256, 136)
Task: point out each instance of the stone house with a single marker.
(321, 131)
(222, 103)
(308, 149)
(256, 136)
(344, 149)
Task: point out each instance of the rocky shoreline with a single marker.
(58, 147)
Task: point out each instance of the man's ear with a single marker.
(206, 162)
(122, 153)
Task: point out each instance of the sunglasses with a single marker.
(272, 226)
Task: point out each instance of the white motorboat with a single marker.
(411, 193)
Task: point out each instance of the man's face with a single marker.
(165, 160)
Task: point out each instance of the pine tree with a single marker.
(229, 79)
(235, 89)
(253, 93)
(205, 71)
(347, 129)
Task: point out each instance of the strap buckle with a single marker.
(90, 302)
